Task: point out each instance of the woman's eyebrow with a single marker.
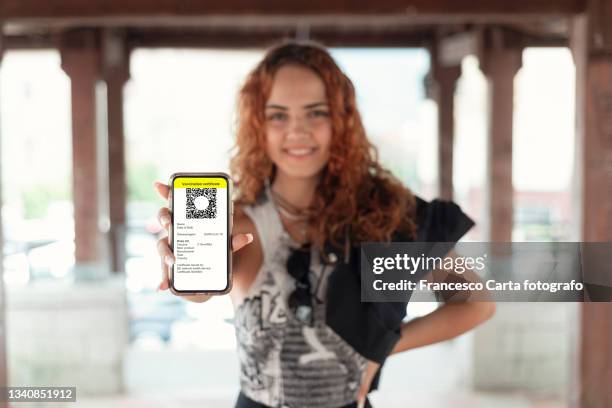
(308, 106)
(314, 105)
(273, 106)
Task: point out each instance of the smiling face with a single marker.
(298, 125)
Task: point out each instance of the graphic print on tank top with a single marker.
(283, 362)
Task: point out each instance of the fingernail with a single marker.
(168, 260)
(249, 238)
(361, 403)
(165, 220)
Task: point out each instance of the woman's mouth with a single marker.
(300, 153)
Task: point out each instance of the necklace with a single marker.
(291, 212)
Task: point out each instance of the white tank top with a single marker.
(283, 362)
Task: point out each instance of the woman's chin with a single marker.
(301, 173)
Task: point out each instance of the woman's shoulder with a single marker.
(440, 220)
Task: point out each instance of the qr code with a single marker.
(192, 210)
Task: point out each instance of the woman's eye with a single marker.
(318, 113)
(277, 116)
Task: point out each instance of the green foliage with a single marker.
(140, 182)
(37, 197)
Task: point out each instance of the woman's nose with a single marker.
(297, 128)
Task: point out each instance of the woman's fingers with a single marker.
(164, 284)
(162, 189)
(167, 260)
(366, 380)
(164, 218)
(165, 253)
(241, 240)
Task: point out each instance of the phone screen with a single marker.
(200, 233)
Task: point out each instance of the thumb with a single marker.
(361, 398)
(241, 240)
(162, 189)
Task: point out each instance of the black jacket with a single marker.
(373, 328)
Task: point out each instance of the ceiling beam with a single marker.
(408, 37)
(233, 38)
(16, 10)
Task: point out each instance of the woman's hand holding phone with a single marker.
(164, 216)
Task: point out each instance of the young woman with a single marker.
(309, 189)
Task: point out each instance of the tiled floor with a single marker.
(381, 400)
(438, 376)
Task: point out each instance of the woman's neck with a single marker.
(297, 191)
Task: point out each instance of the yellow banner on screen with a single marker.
(199, 182)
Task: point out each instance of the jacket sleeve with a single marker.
(441, 221)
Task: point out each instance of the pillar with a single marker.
(446, 53)
(500, 65)
(80, 60)
(3, 356)
(591, 41)
(116, 72)
(445, 78)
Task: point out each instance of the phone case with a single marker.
(230, 222)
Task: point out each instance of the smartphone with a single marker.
(200, 235)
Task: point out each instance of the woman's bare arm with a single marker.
(451, 319)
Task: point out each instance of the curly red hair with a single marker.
(356, 197)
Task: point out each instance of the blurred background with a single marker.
(503, 107)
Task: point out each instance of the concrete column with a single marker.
(80, 60)
(445, 78)
(3, 356)
(500, 66)
(116, 72)
(596, 163)
(591, 42)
